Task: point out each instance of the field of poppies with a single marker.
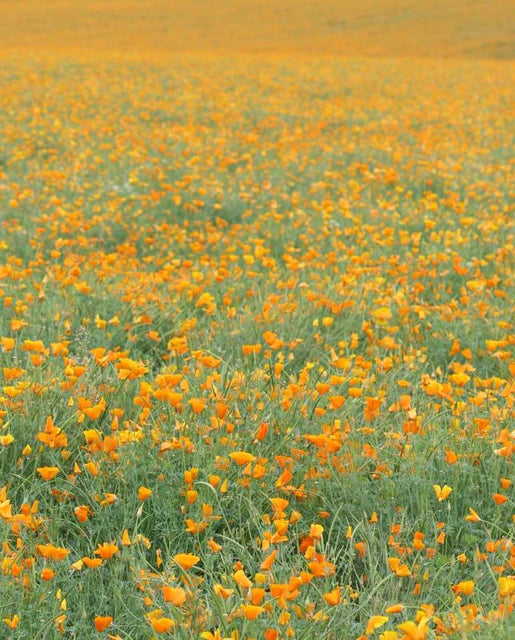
(256, 347)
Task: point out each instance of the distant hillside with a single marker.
(475, 28)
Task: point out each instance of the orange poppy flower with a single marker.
(333, 597)
(48, 473)
(466, 588)
(250, 349)
(102, 622)
(144, 493)
(106, 550)
(223, 592)
(47, 574)
(251, 611)
(51, 552)
(162, 625)
(82, 512)
(375, 622)
(241, 457)
(92, 563)
(175, 595)
(442, 493)
(12, 622)
(186, 560)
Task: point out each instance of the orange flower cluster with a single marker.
(256, 348)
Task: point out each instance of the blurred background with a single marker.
(435, 28)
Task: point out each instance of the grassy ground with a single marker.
(256, 346)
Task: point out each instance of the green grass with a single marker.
(359, 210)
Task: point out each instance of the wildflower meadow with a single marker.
(256, 331)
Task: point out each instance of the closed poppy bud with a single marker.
(261, 431)
(268, 561)
(395, 608)
(472, 516)
(242, 580)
